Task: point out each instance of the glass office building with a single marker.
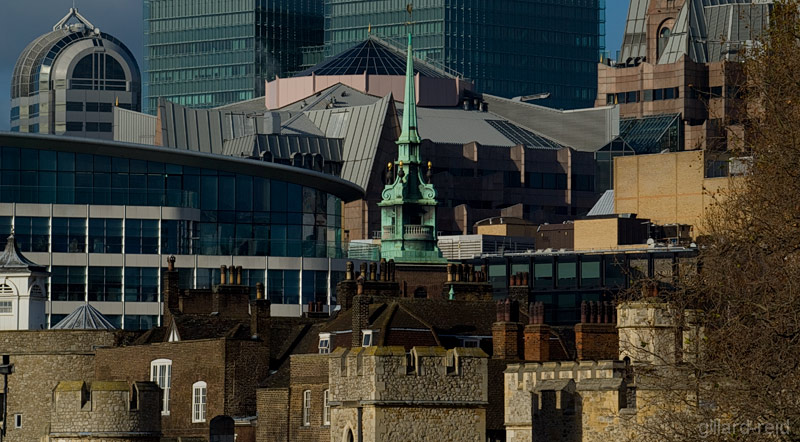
(509, 48)
(210, 53)
(104, 221)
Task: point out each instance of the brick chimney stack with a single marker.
(171, 291)
(537, 335)
(260, 315)
(360, 318)
(507, 331)
(596, 337)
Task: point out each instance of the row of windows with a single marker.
(669, 93)
(141, 284)
(78, 106)
(78, 126)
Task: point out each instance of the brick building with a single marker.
(208, 358)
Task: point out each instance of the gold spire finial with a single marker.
(430, 164)
(389, 166)
(369, 29)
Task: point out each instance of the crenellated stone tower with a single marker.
(408, 209)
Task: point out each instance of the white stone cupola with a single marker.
(22, 290)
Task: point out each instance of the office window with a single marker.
(141, 284)
(326, 407)
(141, 236)
(307, 408)
(67, 283)
(140, 322)
(283, 286)
(105, 283)
(161, 374)
(32, 233)
(199, 395)
(69, 235)
(105, 235)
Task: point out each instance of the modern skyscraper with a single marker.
(68, 80)
(210, 53)
(509, 48)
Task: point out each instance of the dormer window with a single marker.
(324, 343)
(470, 342)
(367, 339)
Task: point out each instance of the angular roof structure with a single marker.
(12, 260)
(85, 317)
(374, 57)
(650, 133)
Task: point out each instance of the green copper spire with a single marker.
(408, 205)
(409, 134)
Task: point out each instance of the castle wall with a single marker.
(41, 359)
(105, 411)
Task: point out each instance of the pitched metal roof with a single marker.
(603, 206)
(85, 317)
(360, 128)
(12, 260)
(283, 146)
(373, 57)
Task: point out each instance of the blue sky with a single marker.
(27, 19)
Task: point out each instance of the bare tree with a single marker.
(739, 379)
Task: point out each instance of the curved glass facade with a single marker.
(237, 214)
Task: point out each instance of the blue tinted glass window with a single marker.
(68, 283)
(141, 284)
(69, 235)
(105, 235)
(105, 284)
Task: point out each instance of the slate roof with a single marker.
(374, 57)
(193, 327)
(12, 260)
(84, 317)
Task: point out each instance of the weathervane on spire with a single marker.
(410, 9)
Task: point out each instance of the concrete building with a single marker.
(678, 58)
(67, 81)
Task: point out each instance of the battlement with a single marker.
(585, 374)
(107, 409)
(425, 374)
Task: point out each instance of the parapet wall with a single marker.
(426, 374)
(106, 409)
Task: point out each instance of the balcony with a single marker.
(418, 232)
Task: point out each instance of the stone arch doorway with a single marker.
(220, 429)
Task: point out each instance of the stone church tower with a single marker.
(22, 291)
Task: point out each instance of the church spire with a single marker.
(409, 134)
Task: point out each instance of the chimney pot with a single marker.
(223, 274)
(259, 290)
